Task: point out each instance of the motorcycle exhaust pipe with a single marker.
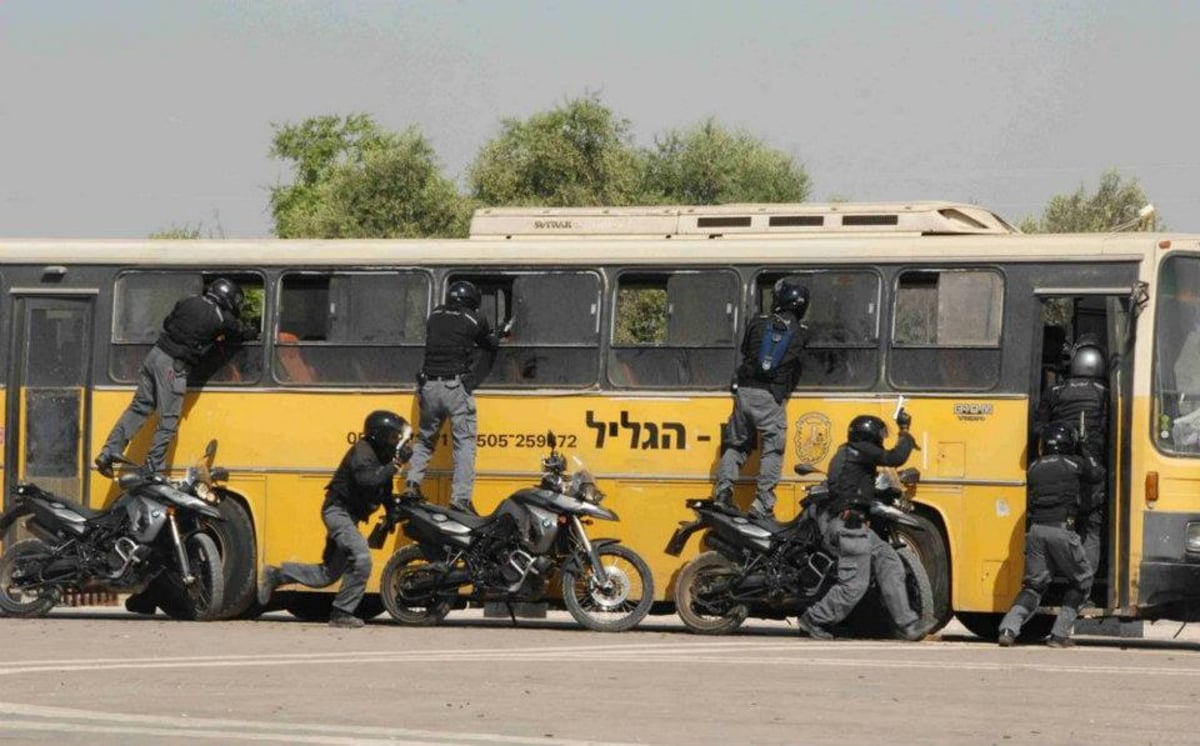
(451, 579)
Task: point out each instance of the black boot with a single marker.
(342, 620)
(104, 464)
(271, 579)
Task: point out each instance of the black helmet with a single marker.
(227, 294)
(790, 296)
(1087, 361)
(465, 294)
(383, 428)
(867, 428)
(1058, 439)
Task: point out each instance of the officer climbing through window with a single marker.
(1081, 403)
(189, 333)
(770, 367)
(1057, 486)
(847, 534)
(452, 370)
(362, 482)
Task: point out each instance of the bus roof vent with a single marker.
(729, 221)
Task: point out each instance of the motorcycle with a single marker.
(150, 537)
(510, 555)
(761, 567)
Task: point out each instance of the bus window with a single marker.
(946, 329)
(350, 327)
(843, 326)
(142, 300)
(674, 330)
(555, 339)
(1177, 356)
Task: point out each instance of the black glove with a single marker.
(403, 454)
(505, 330)
(249, 333)
(904, 419)
(733, 386)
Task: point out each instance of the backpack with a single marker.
(774, 346)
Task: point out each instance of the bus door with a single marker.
(48, 402)
(1107, 316)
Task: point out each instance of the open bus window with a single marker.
(555, 336)
(843, 325)
(365, 328)
(1177, 356)
(674, 330)
(946, 329)
(142, 300)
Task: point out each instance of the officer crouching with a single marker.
(1055, 485)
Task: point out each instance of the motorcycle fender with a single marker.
(10, 517)
(680, 539)
(575, 565)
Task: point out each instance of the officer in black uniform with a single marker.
(770, 367)
(362, 482)
(1056, 485)
(452, 370)
(859, 549)
(1083, 399)
(189, 332)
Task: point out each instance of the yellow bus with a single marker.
(626, 327)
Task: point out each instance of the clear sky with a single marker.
(123, 117)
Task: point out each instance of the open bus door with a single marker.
(48, 402)
(1108, 314)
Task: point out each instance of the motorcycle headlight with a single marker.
(590, 493)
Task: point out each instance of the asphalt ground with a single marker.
(101, 676)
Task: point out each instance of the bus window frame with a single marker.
(738, 301)
(998, 346)
(1155, 393)
(329, 272)
(203, 271)
(753, 309)
(479, 275)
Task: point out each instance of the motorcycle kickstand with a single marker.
(511, 614)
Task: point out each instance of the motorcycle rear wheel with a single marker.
(203, 599)
(616, 603)
(16, 602)
(404, 568)
(701, 577)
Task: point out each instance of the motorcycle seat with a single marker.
(31, 490)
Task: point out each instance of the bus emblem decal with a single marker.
(812, 437)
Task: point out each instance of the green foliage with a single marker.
(641, 315)
(579, 153)
(355, 180)
(710, 165)
(1114, 204)
(178, 232)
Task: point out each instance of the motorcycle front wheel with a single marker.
(701, 596)
(202, 600)
(406, 569)
(613, 603)
(16, 601)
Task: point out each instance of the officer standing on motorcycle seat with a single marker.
(362, 482)
(1056, 485)
(452, 370)
(770, 367)
(846, 533)
(1083, 399)
(189, 332)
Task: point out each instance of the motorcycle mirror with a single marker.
(551, 439)
(210, 450)
(911, 475)
(805, 469)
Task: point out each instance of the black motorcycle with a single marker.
(765, 568)
(151, 537)
(510, 555)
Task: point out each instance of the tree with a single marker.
(577, 154)
(355, 180)
(709, 164)
(1114, 205)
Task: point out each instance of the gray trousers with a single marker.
(438, 401)
(162, 384)
(860, 552)
(1092, 535)
(754, 411)
(346, 556)
(1050, 548)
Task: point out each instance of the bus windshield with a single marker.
(1177, 359)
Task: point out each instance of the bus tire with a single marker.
(235, 541)
(929, 545)
(986, 625)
